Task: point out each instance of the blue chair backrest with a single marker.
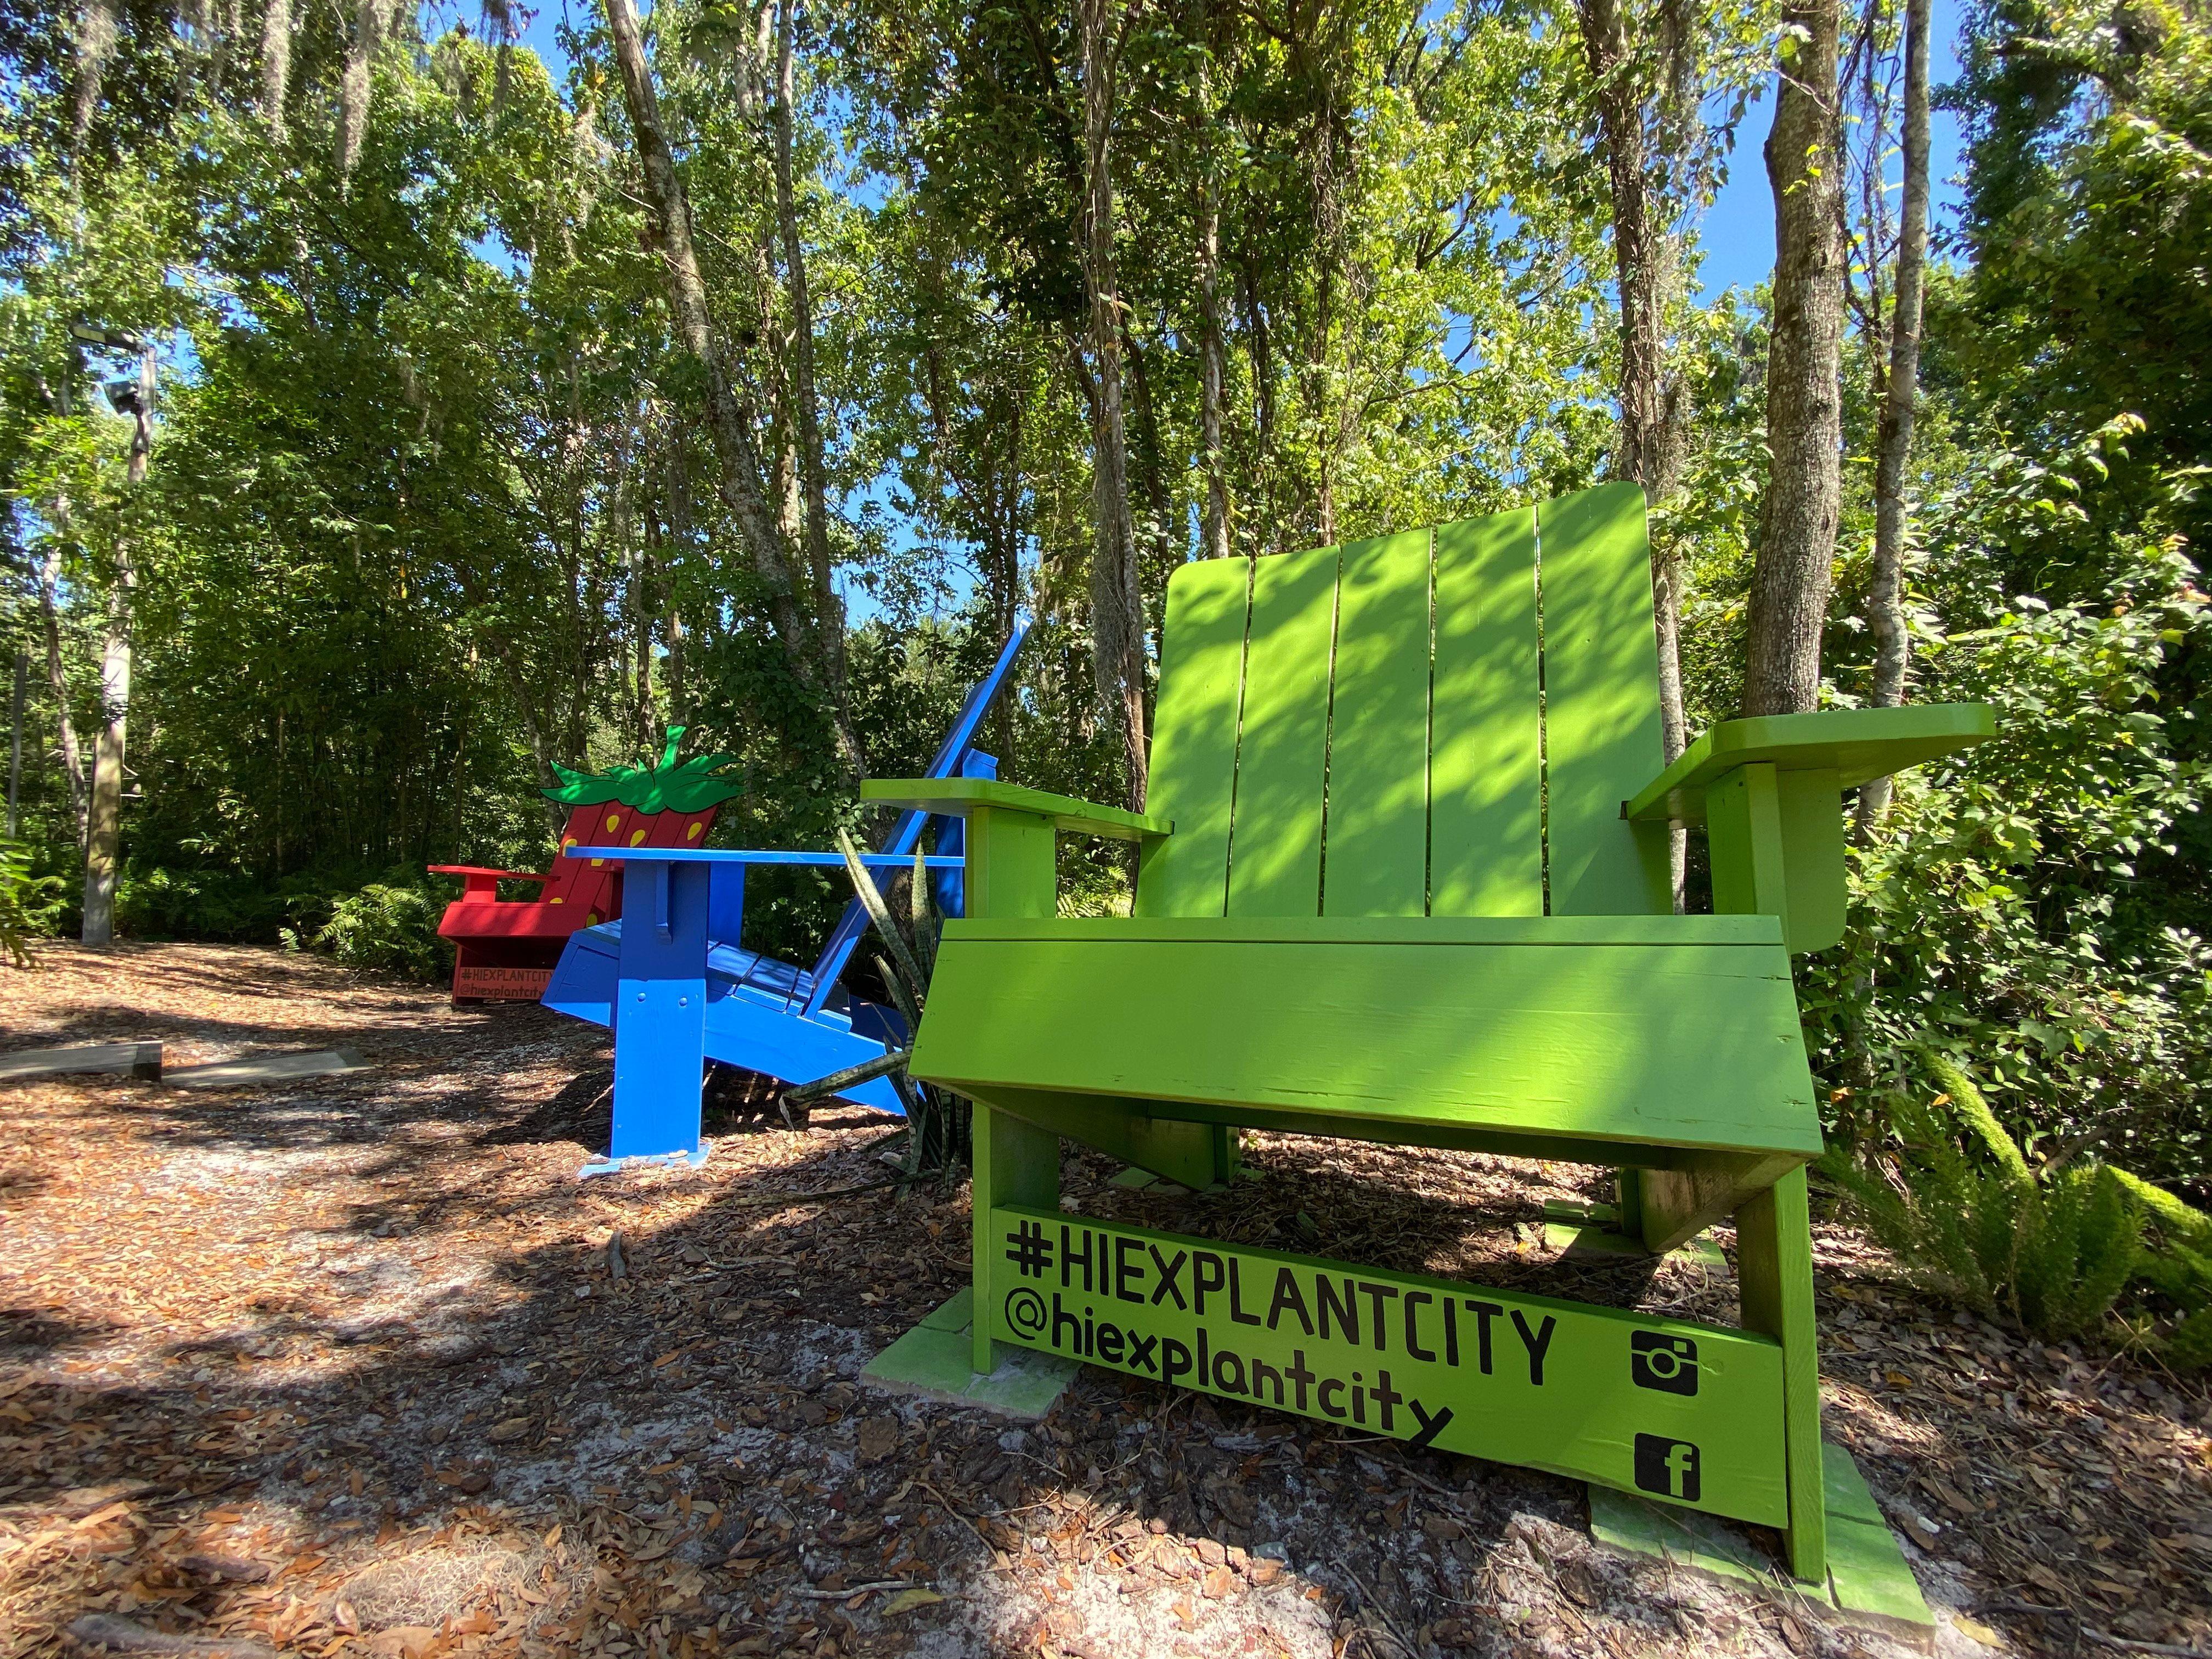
(957, 757)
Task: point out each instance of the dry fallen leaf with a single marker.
(907, 1599)
(879, 1438)
(1975, 1629)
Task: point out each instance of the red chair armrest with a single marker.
(479, 883)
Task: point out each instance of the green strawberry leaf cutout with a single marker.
(693, 786)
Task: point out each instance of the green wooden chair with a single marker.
(1404, 878)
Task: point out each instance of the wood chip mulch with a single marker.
(357, 1365)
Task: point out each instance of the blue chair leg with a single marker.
(659, 1015)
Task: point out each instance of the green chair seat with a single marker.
(1594, 1038)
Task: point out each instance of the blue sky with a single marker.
(1739, 227)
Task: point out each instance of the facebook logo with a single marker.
(1668, 1468)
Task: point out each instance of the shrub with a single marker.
(387, 927)
(2054, 1249)
(165, 902)
(30, 903)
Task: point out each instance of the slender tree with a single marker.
(1794, 569)
(1212, 369)
(1117, 604)
(276, 64)
(741, 477)
(814, 473)
(104, 820)
(1900, 396)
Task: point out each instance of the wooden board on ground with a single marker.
(141, 1060)
(269, 1068)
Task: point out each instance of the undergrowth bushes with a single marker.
(2065, 1248)
(389, 927)
(385, 921)
(29, 902)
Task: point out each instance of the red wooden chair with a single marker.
(505, 950)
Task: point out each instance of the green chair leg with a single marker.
(1628, 1196)
(1774, 1275)
(1014, 1163)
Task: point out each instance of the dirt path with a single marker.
(343, 1367)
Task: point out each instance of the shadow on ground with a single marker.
(371, 1336)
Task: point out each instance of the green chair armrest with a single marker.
(1857, 745)
(958, 796)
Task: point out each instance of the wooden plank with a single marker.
(949, 795)
(1867, 1569)
(1601, 734)
(1536, 931)
(1774, 1277)
(1743, 828)
(1011, 866)
(1675, 1205)
(1099, 1121)
(1274, 845)
(1811, 805)
(1474, 1369)
(140, 1059)
(1013, 1162)
(1694, 1046)
(1376, 860)
(1855, 743)
(1776, 840)
(1194, 763)
(1486, 778)
(267, 1068)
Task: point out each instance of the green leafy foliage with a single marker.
(30, 903)
(2053, 1247)
(2070, 968)
(389, 928)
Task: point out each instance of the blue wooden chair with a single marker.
(793, 1024)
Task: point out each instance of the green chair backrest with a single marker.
(1439, 723)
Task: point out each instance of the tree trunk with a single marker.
(355, 82)
(15, 737)
(679, 541)
(1260, 348)
(1647, 449)
(813, 470)
(1150, 465)
(1885, 597)
(1213, 370)
(1117, 611)
(50, 579)
(95, 43)
(276, 64)
(1791, 577)
(104, 835)
(740, 472)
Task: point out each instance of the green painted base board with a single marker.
(933, 1359)
(1571, 1239)
(1580, 1211)
(1868, 1580)
(1137, 1181)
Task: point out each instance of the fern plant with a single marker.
(2054, 1249)
(30, 903)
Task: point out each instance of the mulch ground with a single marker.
(357, 1365)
